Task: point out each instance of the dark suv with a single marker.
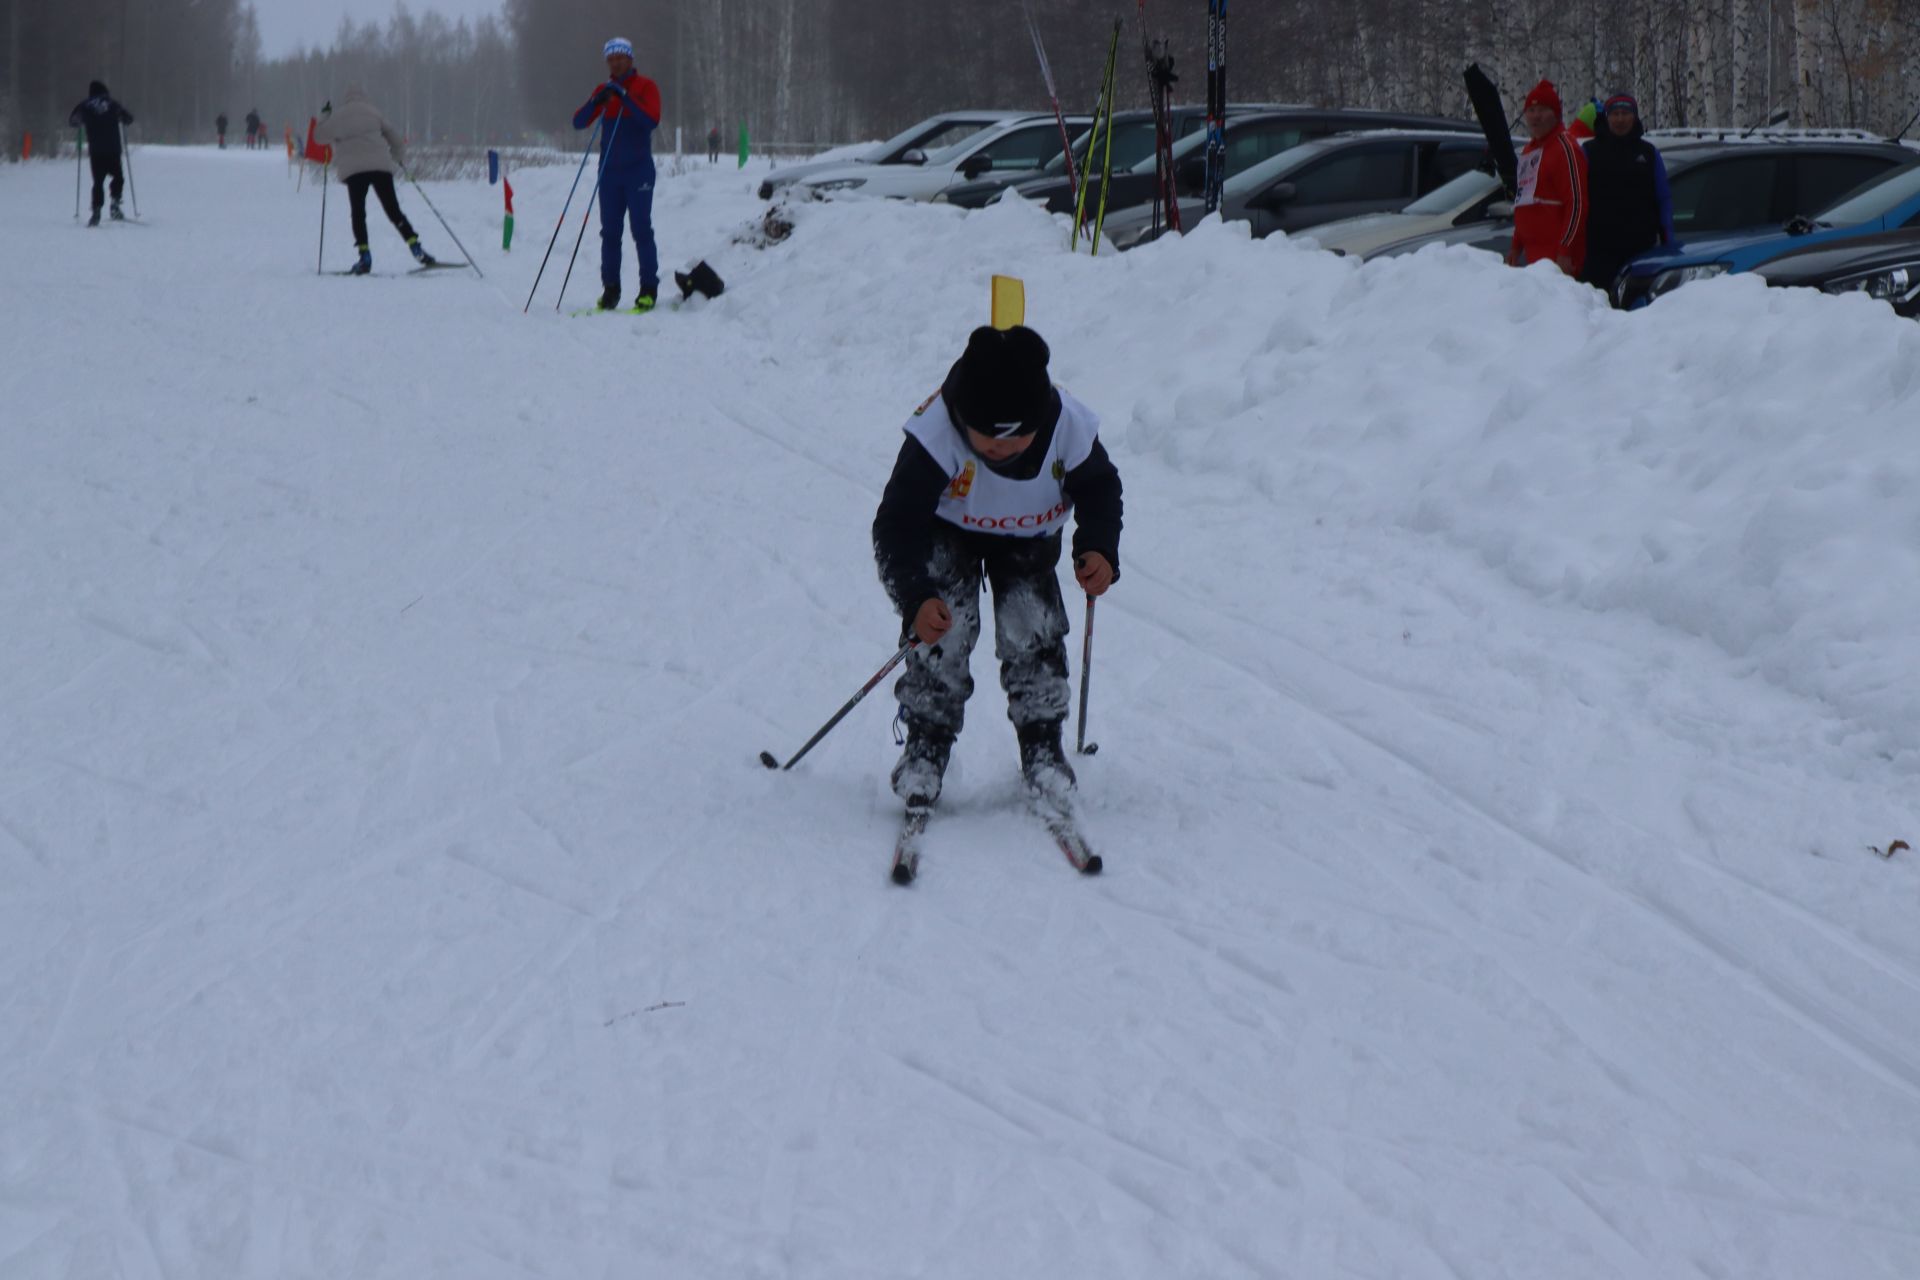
(1251, 138)
(1323, 180)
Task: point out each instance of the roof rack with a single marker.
(1766, 135)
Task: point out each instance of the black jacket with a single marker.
(903, 527)
(102, 117)
(1623, 193)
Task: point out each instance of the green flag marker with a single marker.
(743, 146)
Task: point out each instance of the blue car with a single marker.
(1887, 204)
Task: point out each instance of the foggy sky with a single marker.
(289, 25)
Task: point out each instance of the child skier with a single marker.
(989, 470)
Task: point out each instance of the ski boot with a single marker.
(916, 778)
(364, 267)
(94, 221)
(1043, 762)
(115, 213)
(420, 255)
(610, 297)
(644, 303)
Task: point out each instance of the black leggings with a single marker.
(382, 186)
(104, 167)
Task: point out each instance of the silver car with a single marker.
(931, 134)
(1025, 143)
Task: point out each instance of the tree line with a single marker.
(825, 71)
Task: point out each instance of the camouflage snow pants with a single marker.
(1029, 632)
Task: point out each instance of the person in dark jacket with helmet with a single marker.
(1630, 209)
(102, 117)
(991, 468)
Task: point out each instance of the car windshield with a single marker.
(1472, 185)
(942, 134)
(953, 151)
(1185, 147)
(1874, 201)
(1248, 181)
(1132, 145)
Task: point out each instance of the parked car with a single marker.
(1026, 142)
(1132, 143)
(930, 134)
(1461, 201)
(1885, 204)
(1717, 186)
(1252, 137)
(1884, 266)
(1322, 180)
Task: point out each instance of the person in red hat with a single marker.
(1550, 211)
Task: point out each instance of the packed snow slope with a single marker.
(1498, 708)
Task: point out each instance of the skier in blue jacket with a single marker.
(629, 105)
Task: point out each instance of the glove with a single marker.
(600, 96)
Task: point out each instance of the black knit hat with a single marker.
(999, 386)
(97, 90)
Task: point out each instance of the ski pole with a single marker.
(1081, 744)
(598, 176)
(319, 262)
(443, 223)
(767, 757)
(562, 220)
(79, 136)
(133, 192)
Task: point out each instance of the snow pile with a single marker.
(1736, 462)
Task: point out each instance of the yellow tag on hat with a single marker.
(1009, 302)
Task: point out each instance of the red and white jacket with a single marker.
(1550, 211)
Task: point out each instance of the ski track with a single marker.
(398, 893)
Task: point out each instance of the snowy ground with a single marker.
(1496, 712)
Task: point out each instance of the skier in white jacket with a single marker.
(367, 151)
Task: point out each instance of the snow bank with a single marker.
(1734, 463)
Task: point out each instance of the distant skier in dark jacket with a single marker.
(102, 117)
(1630, 208)
(991, 467)
(629, 103)
(220, 129)
(255, 130)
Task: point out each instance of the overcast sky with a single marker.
(287, 25)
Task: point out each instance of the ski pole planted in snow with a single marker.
(768, 759)
(79, 135)
(1081, 744)
(320, 263)
(561, 222)
(587, 215)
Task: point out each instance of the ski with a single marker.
(906, 848)
(668, 305)
(1056, 815)
(1216, 168)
